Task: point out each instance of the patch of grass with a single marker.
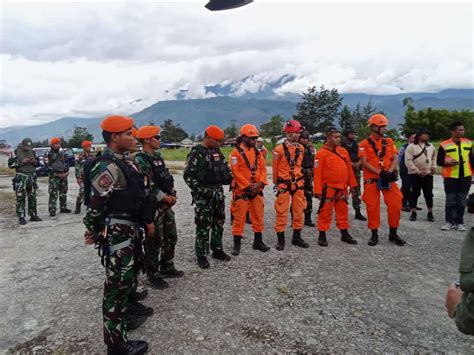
(7, 207)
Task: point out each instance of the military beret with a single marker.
(55, 140)
(116, 124)
(148, 132)
(215, 132)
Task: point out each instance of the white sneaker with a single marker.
(461, 227)
(447, 227)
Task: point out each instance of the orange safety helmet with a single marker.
(292, 126)
(249, 130)
(378, 120)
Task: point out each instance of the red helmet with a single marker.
(292, 126)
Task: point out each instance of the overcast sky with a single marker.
(90, 59)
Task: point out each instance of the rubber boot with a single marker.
(374, 239)
(297, 240)
(347, 238)
(359, 216)
(394, 238)
(307, 220)
(322, 240)
(258, 243)
(281, 241)
(237, 243)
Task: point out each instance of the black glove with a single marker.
(394, 176)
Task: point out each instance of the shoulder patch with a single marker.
(275, 155)
(316, 163)
(233, 160)
(105, 180)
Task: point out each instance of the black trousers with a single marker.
(419, 183)
(456, 195)
(405, 189)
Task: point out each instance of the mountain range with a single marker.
(195, 114)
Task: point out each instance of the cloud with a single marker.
(90, 59)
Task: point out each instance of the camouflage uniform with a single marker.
(24, 182)
(205, 173)
(353, 150)
(159, 249)
(307, 167)
(57, 165)
(118, 238)
(79, 172)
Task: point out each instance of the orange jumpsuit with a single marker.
(288, 178)
(371, 195)
(333, 173)
(242, 178)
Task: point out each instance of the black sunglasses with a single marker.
(157, 137)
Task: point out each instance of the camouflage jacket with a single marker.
(79, 167)
(106, 177)
(199, 163)
(464, 315)
(21, 154)
(154, 191)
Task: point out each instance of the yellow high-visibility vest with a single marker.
(455, 151)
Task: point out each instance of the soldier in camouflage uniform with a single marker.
(79, 171)
(307, 168)
(159, 248)
(350, 144)
(24, 182)
(205, 173)
(114, 195)
(58, 173)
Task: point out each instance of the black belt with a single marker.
(371, 181)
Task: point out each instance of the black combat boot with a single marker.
(52, 213)
(22, 221)
(258, 243)
(322, 240)
(307, 220)
(247, 218)
(131, 347)
(347, 238)
(359, 216)
(169, 270)
(78, 207)
(138, 296)
(138, 309)
(281, 241)
(237, 242)
(34, 217)
(394, 238)
(133, 322)
(203, 263)
(430, 217)
(413, 216)
(219, 254)
(158, 283)
(65, 210)
(374, 239)
(297, 240)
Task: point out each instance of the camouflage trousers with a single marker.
(25, 189)
(209, 216)
(80, 195)
(308, 194)
(57, 186)
(356, 201)
(159, 249)
(120, 281)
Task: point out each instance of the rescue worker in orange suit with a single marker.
(288, 180)
(333, 175)
(250, 178)
(378, 156)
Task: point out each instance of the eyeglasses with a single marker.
(158, 137)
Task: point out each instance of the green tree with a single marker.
(80, 135)
(232, 131)
(172, 133)
(345, 118)
(437, 121)
(273, 127)
(318, 109)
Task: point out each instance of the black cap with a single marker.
(348, 130)
(304, 134)
(332, 129)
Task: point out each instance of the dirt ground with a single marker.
(335, 299)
